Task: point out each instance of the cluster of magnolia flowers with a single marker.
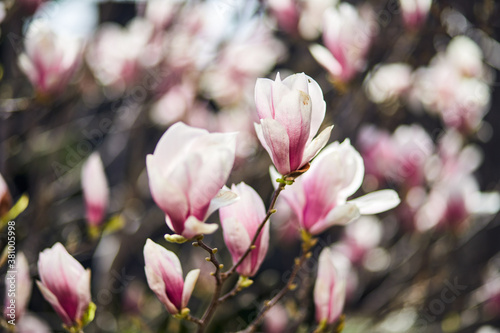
(187, 175)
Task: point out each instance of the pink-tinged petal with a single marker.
(174, 143)
(340, 215)
(263, 98)
(318, 107)
(279, 90)
(237, 241)
(224, 198)
(157, 285)
(83, 292)
(189, 284)
(313, 148)
(95, 189)
(294, 113)
(276, 138)
(376, 202)
(297, 82)
(353, 169)
(194, 227)
(52, 299)
(325, 58)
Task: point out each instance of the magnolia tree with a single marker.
(173, 166)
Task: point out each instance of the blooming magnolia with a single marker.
(95, 189)
(240, 222)
(16, 299)
(65, 284)
(49, 59)
(388, 82)
(330, 287)
(291, 112)
(164, 275)
(186, 173)
(319, 197)
(347, 34)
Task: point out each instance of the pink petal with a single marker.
(276, 138)
(189, 284)
(316, 145)
(376, 202)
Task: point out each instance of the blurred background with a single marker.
(412, 83)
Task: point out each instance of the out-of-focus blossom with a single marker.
(388, 82)
(240, 222)
(164, 275)
(330, 287)
(452, 203)
(174, 104)
(310, 27)
(32, 324)
(400, 158)
(454, 86)
(291, 112)
(415, 12)
(117, 54)
(186, 173)
(287, 14)
(18, 289)
(276, 319)
(360, 237)
(161, 12)
(319, 197)
(95, 189)
(30, 5)
(5, 197)
(252, 52)
(65, 284)
(49, 59)
(347, 35)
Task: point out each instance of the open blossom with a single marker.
(388, 82)
(291, 112)
(309, 25)
(16, 299)
(186, 174)
(95, 189)
(49, 59)
(347, 35)
(319, 197)
(164, 275)
(330, 287)
(5, 198)
(240, 222)
(286, 13)
(65, 284)
(415, 12)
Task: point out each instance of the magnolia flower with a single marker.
(240, 222)
(164, 275)
(95, 189)
(65, 284)
(5, 198)
(347, 34)
(49, 59)
(415, 12)
(286, 13)
(330, 287)
(186, 173)
(18, 289)
(276, 319)
(388, 82)
(309, 25)
(291, 112)
(319, 197)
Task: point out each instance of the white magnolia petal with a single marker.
(483, 203)
(340, 215)
(263, 98)
(376, 202)
(316, 145)
(194, 227)
(325, 58)
(189, 283)
(225, 197)
(157, 285)
(276, 137)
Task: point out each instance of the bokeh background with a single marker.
(111, 76)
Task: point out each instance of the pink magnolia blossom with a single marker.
(310, 27)
(95, 189)
(415, 12)
(291, 112)
(347, 35)
(5, 197)
(286, 13)
(330, 287)
(276, 319)
(164, 275)
(319, 197)
(186, 174)
(65, 284)
(240, 222)
(16, 299)
(388, 82)
(49, 59)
